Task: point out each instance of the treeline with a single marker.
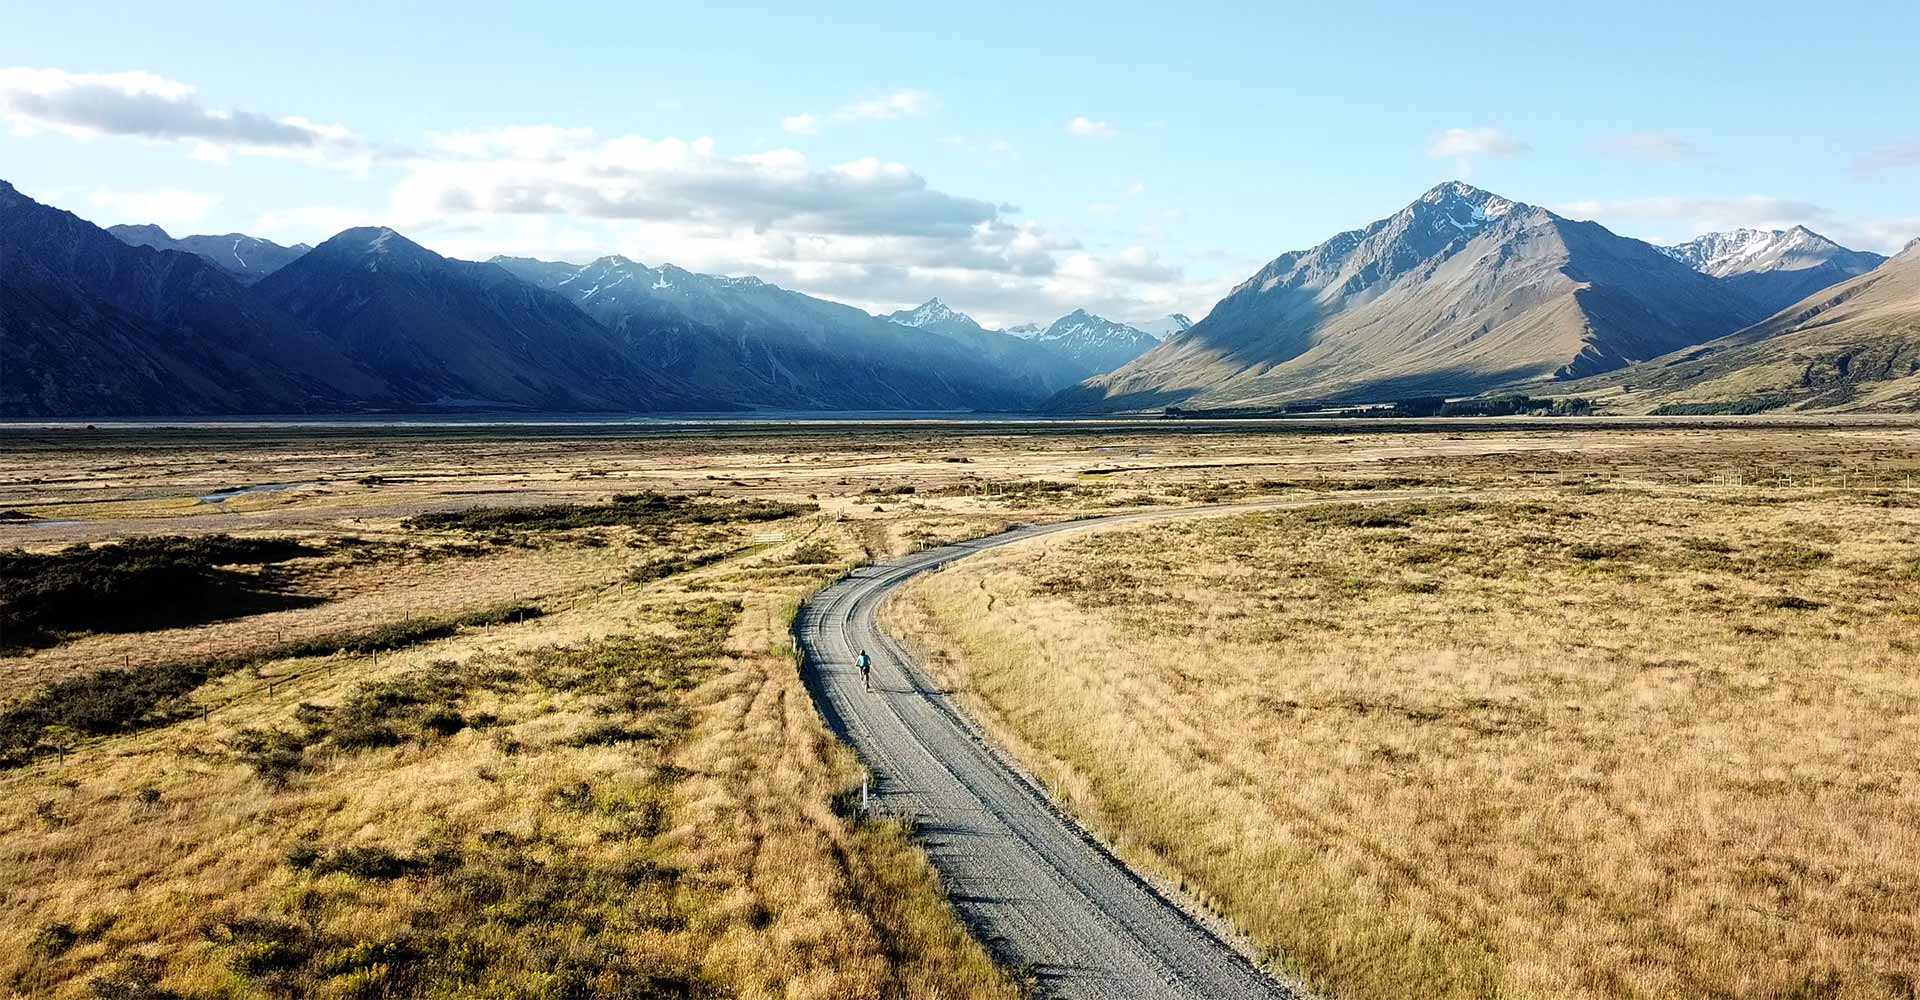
(1512, 404)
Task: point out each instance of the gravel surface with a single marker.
(1047, 900)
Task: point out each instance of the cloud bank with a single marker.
(146, 106)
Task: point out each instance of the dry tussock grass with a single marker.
(1619, 744)
(630, 797)
(162, 859)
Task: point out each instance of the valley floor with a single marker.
(1622, 740)
(421, 749)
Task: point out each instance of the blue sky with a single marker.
(1018, 162)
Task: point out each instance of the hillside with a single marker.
(1460, 292)
(750, 343)
(458, 334)
(1855, 346)
(94, 327)
(246, 259)
(1774, 268)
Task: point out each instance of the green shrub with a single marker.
(815, 553)
(660, 569)
(129, 700)
(54, 939)
(375, 864)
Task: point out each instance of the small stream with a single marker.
(222, 496)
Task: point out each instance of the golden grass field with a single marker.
(1600, 742)
(628, 792)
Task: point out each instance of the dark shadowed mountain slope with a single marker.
(90, 326)
(244, 258)
(1775, 268)
(1854, 346)
(1460, 292)
(453, 333)
(756, 344)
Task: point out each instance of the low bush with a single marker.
(814, 553)
(643, 510)
(129, 700)
(660, 569)
(139, 584)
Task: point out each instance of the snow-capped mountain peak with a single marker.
(1095, 341)
(1745, 251)
(1465, 207)
(932, 312)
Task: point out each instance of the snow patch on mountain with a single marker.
(931, 313)
(1164, 327)
(1749, 251)
(1098, 343)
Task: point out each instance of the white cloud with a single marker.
(312, 223)
(1136, 189)
(1650, 145)
(545, 170)
(1467, 144)
(1102, 209)
(1889, 157)
(168, 208)
(1087, 128)
(146, 106)
(1675, 219)
(866, 231)
(1702, 214)
(899, 104)
(1472, 142)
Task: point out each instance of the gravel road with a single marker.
(1045, 897)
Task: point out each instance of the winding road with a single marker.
(1042, 894)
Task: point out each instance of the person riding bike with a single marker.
(866, 670)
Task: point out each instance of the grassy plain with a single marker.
(439, 753)
(1601, 741)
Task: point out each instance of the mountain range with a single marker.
(1096, 344)
(1085, 343)
(136, 323)
(1775, 268)
(245, 258)
(748, 343)
(1851, 346)
(1460, 292)
(456, 334)
(93, 326)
